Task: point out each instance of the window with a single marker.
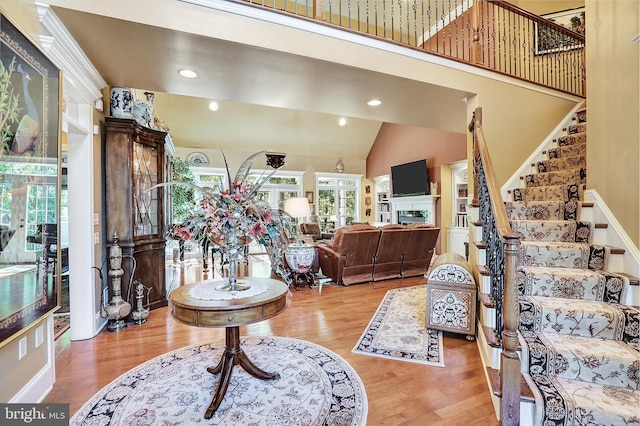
(279, 187)
(5, 204)
(41, 208)
(338, 196)
(40, 201)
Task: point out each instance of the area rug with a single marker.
(316, 387)
(61, 323)
(398, 329)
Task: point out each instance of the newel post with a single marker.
(509, 359)
(476, 46)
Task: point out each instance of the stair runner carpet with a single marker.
(581, 348)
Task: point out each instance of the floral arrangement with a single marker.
(232, 217)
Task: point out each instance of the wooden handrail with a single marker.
(503, 264)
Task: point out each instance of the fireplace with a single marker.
(407, 217)
(419, 209)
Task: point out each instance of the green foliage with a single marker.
(182, 196)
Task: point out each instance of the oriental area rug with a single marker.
(398, 329)
(316, 387)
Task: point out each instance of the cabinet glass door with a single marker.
(145, 199)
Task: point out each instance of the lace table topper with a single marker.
(208, 290)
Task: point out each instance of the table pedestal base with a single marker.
(233, 355)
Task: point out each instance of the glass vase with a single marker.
(232, 249)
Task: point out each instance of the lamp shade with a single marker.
(297, 207)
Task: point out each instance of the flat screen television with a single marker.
(410, 179)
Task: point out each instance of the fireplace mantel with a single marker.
(421, 203)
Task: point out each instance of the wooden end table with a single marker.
(230, 314)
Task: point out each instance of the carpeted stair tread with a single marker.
(570, 283)
(574, 402)
(587, 318)
(553, 230)
(575, 176)
(562, 163)
(577, 128)
(567, 151)
(599, 361)
(563, 255)
(572, 139)
(569, 192)
(543, 210)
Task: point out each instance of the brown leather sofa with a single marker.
(350, 259)
(364, 253)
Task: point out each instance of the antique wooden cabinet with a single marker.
(134, 162)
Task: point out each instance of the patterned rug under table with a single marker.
(316, 387)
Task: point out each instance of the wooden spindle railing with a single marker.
(502, 259)
(491, 34)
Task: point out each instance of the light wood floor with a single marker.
(399, 393)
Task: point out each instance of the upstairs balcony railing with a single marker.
(491, 34)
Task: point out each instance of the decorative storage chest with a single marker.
(451, 296)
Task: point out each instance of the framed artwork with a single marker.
(550, 40)
(309, 195)
(198, 159)
(367, 189)
(30, 257)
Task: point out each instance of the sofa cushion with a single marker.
(390, 253)
(419, 249)
(337, 236)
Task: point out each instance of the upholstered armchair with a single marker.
(312, 229)
(419, 249)
(391, 252)
(351, 257)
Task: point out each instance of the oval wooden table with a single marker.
(230, 314)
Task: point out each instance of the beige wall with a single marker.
(541, 7)
(613, 155)
(397, 144)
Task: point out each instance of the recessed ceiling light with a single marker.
(374, 102)
(188, 73)
(213, 106)
(342, 121)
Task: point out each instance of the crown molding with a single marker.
(81, 79)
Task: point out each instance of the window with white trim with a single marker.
(338, 200)
(282, 185)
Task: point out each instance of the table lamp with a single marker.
(297, 207)
(300, 256)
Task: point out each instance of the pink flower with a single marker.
(257, 229)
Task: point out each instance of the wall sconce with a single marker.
(275, 160)
(339, 166)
